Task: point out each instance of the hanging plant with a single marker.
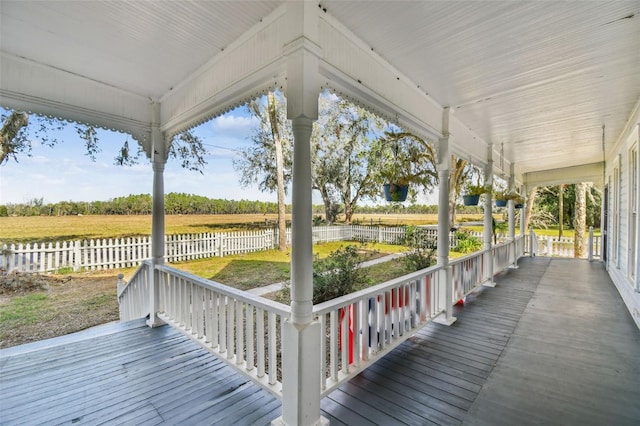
(472, 193)
(396, 187)
(503, 196)
(397, 191)
(400, 163)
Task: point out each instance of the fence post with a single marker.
(77, 260)
(590, 243)
(219, 237)
(379, 234)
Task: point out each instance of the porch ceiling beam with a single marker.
(354, 70)
(566, 175)
(38, 88)
(245, 70)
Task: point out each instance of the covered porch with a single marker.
(538, 94)
(551, 343)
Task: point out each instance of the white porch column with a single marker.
(637, 207)
(523, 210)
(444, 227)
(488, 217)
(159, 158)
(301, 334)
(301, 225)
(512, 216)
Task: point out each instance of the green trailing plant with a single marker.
(472, 189)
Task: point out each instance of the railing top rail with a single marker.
(342, 301)
(500, 245)
(143, 264)
(240, 295)
(475, 254)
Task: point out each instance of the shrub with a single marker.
(318, 220)
(338, 274)
(422, 250)
(467, 243)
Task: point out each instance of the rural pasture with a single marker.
(61, 228)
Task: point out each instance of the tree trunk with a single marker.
(560, 210)
(531, 198)
(348, 213)
(580, 221)
(10, 128)
(452, 209)
(282, 221)
(329, 214)
(458, 175)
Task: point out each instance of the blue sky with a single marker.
(65, 173)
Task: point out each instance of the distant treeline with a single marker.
(179, 203)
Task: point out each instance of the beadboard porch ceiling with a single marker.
(539, 79)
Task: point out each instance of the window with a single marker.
(633, 211)
(615, 214)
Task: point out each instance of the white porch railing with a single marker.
(501, 256)
(133, 296)
(240, 328)
(563, 247)
(468, 273)
(361, 327)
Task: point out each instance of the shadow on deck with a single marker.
(552, 343)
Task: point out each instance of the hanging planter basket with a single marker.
(395, 191)
(471, 200)
(501, 203)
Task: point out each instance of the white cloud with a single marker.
(39, 159)
(234, 122)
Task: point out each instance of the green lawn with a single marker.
(257, 269)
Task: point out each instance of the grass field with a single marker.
(60, 228)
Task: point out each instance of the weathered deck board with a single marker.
(572, 359)
(551, 343)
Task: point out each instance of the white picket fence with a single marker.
(115, 253)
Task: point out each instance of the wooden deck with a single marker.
(551, 344)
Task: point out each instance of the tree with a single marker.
(560, 210)
(580, 220)
(461, 171)
(268, 161)
(531, 198)
(342, 166)
(277, 142)
(351, 150)
(19, 131)
(10, 145)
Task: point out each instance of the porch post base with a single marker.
(442, 319)
(300, 375)
(489, 283)
(280, 422)
(155, 322)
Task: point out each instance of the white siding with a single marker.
(623, 216)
